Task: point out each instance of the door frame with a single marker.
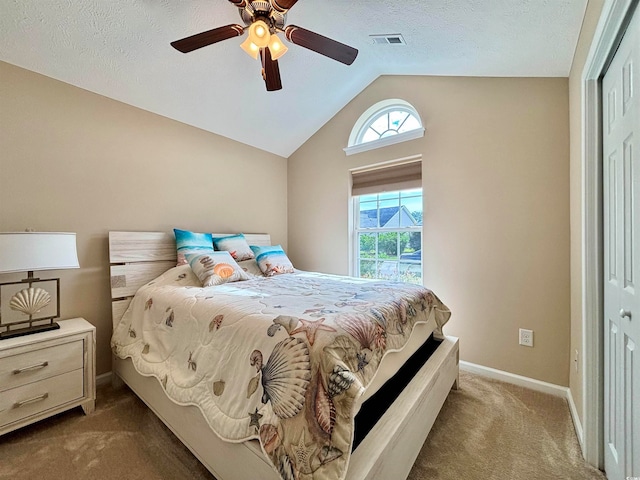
(614, 19)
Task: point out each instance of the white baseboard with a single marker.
(576, 419)
(532, 384)
(514, 379)
(103, 378)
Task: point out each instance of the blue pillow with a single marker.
(191, 243)
(272, 260)
(236, 245)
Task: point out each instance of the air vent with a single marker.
(388, 39)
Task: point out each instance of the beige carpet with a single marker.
(486, 430)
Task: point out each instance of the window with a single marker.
(390, 121)
(385, 123)
(388, 235)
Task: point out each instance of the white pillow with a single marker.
(251, 267)
(216, 268)
(180, 276)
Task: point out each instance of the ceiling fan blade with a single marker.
(239, 3)
(281, 5)
(321, 44)
(270, 71)
(203, 39)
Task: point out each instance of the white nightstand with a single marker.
(46, 373)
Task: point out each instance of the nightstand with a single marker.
(46, 373)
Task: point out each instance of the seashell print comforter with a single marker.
(282, 359)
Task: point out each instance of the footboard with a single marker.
(392, 446)
(387, 452)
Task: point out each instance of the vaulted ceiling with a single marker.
(120, 49)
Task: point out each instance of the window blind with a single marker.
(387, 178)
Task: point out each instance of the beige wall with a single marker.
(71, 160)
(592, 15)
(75, 161)
(496, 212)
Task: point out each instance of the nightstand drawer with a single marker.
(19, 403)
(28, 367)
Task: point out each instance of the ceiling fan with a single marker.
(264, 19)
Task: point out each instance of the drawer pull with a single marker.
(29, 401)
(31, 367)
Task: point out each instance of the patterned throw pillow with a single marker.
(272, 260)
(251, 267)
(216, 268)
(236, 245)
(188, 243)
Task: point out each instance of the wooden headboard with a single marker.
(136, 258)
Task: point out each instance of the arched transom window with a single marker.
(386, 119)
(390, 121)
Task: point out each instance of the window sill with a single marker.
(385, 142)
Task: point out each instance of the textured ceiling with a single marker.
(120, 49)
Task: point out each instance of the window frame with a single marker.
(357, 230)
(363, 123)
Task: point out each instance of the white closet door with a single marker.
(621, 215)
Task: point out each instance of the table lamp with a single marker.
(31, 305)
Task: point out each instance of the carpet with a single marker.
(486, 430)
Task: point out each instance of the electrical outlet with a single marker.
(575, 360)
(526, 337)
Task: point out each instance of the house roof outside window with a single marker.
(390, 217)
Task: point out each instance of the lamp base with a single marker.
(29, 330)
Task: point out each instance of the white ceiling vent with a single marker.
(388, 39)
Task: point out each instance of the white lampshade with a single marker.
(259, 34)
(276, 47)
(29, 251)
(250, 47)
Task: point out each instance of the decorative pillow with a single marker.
(216, 268)
(181, 276)
(236, 245)
(272, 260)
(188, 243)
(251, 267)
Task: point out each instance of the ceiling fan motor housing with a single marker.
(261, 10)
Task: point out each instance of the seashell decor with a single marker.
(286, 376)
(269, 437)
(30, 300)
(224, 270)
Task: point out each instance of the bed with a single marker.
(387, 448)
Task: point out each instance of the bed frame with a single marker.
(391, 446)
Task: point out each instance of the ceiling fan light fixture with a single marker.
(251, 48)
(259, 34)
(276, 47)
(263, 19)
